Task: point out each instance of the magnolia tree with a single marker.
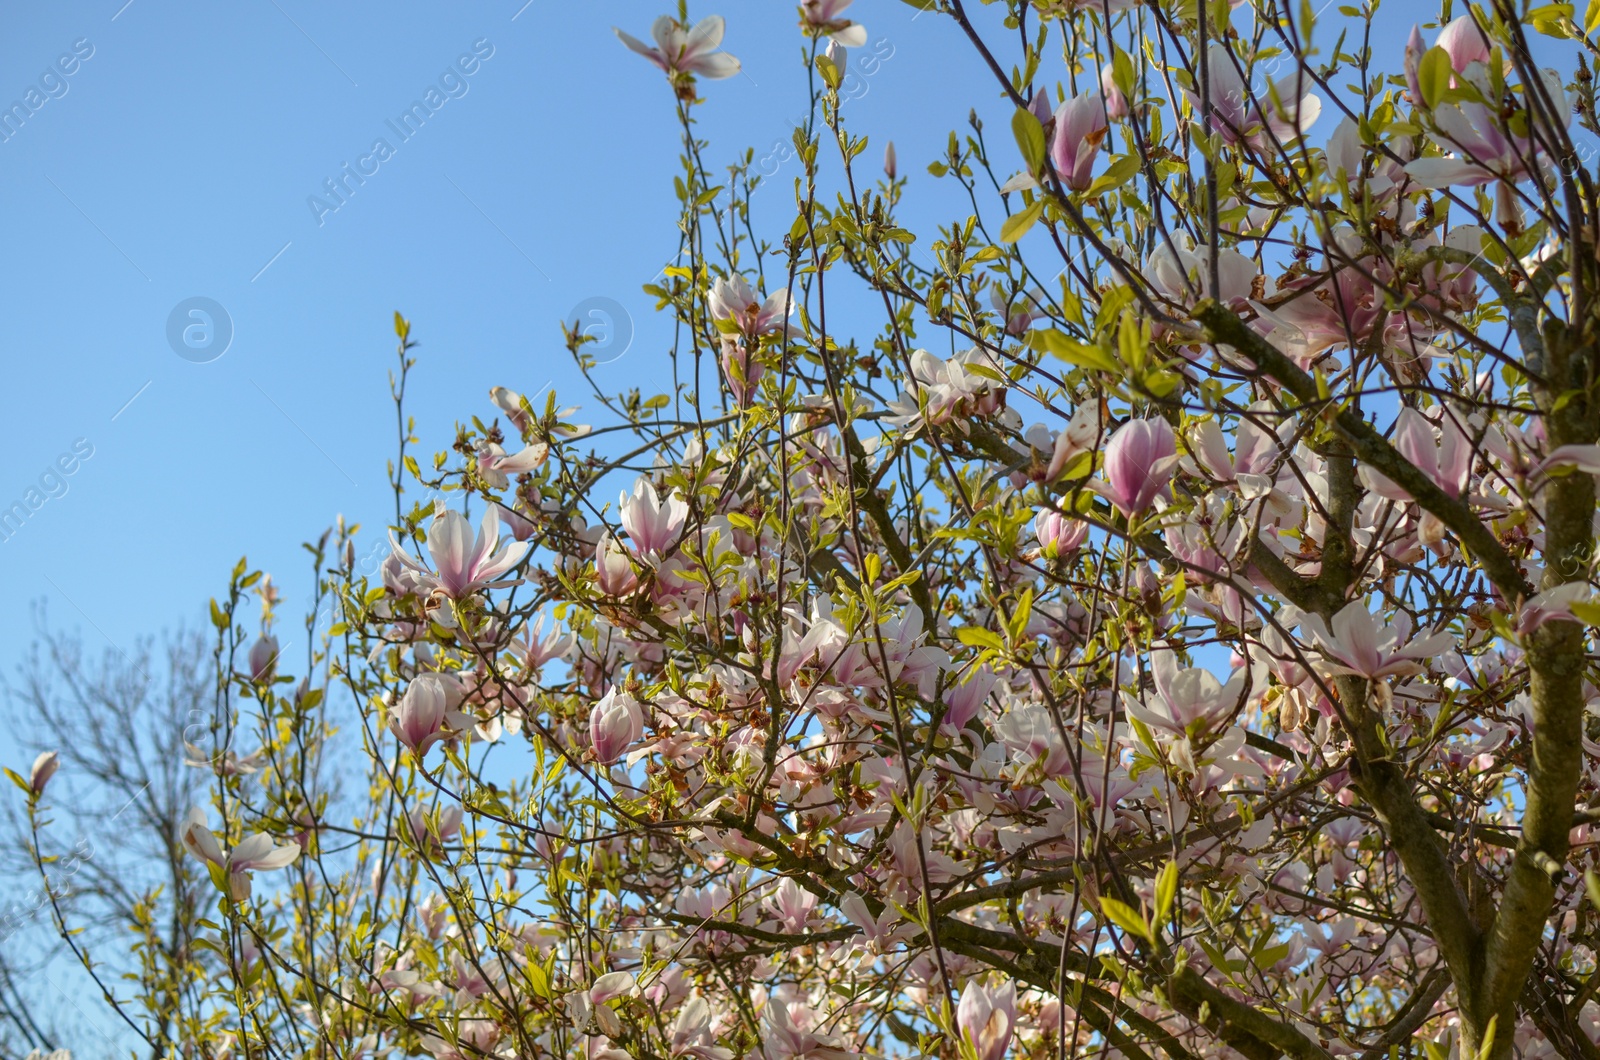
(1150, 615)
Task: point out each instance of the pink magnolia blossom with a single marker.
(258, 852)
(822, 16)
(615, 724)
(1059, 534)
(1445, 457)
(1236, 112)
(44, 767)
(653, 524)
(1361, 645)
(733, 302)
(783, 1038)
(1080, 127)
(613, 569)
(988, 1018)
(1116, 102)
(1483, 149)
(496, 466)
(742, 371)
(513, 404)
(692, 1034)
(1190, 700)
(449, 824)
(681, 50)
(263, 658)
(426, 713)
(1464, 42)
(465, 565)
(1138, 459)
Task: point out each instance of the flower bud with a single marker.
(1059, 535)
(888, 161)
(263, 657)
(613, 569)
(614, 724)
(44, 767)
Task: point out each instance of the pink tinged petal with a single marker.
(668, 35)
(1355, 638)
(706, 36)
(199, 840)
(852, 36)
(715, 66)
(1137, 458)
(636, 45)
(611, 985)
(1211, 449)
(1464, 42)
(1413, 437)
(1436, 173)
(449, 543)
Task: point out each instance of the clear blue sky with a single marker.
(177, 161)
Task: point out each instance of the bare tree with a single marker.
(125, 725)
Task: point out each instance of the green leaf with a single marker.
(1166, 892)
(1030, 138)
(1591, 882)
(978, 637)
(1591, 17)
(1127, 918)
(1121, 170)
(1434, 75)
(829, 71)
(19, 782)
(1017, 225)
(1059, 344)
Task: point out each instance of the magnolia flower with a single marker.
(742, 371)
(692, 1035)
(889, 161)
(1183, 275)
(1463, 40)
(738, 309)
(1236, 112)
(513, 404)
(263, 657)
(496, 467)
(822, 16)
(1138, 459)
(1019, 311)
(968, 384)
(256, 852)
(1190, 700)
(431, 844)
(615, 723)
(652, 524)
(426, 713)
(1446, 459)
(1485, 148)
(44, 767)
(1116, 102)
(988, 1018)
(613, 569)
(465, 565)
(783, 1039)
(1059, 534)
(1080, 126)
(1360, 646)
(682, 52)
(1556, 605)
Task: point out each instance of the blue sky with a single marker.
(178, 159)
